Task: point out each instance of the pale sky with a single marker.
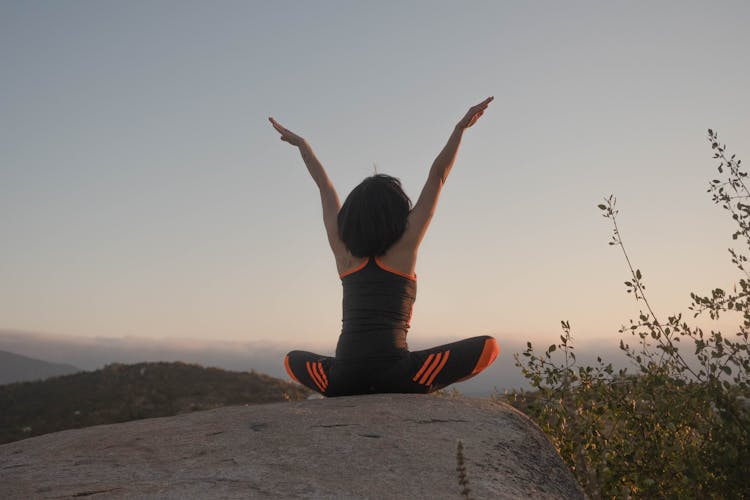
(143, 192)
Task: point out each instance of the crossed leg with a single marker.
(309, 369)
(435, 368)
(419, 372)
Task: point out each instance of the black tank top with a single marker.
(377, 310)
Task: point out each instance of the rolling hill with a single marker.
(119, 393)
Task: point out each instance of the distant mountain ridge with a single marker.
(119, 393)
(17, 368)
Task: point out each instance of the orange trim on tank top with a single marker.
(355, 269)
(384, 267)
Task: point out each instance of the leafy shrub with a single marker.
(678, 426)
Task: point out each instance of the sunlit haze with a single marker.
(144, 194)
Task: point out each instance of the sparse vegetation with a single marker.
(463, 480)
(118, 393)
(678, 426)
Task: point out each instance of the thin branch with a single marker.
(637, 282)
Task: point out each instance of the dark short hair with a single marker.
(374, 216)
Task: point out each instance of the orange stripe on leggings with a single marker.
(289, 369)
(318, 369)
(424, 367)
(323, 374)
(489, 353)
(440, 367)
(312, 374)
(431, 368)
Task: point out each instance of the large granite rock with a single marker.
(383, 446)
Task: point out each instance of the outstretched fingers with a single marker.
(475, 112)
(286, 134)
(278, 127)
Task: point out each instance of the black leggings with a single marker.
(413, 372)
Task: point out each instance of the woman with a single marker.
(375, 236)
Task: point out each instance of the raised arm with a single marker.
(421, 214)
(328, 196)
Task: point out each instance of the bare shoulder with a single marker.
(346, 262)
(401, 257)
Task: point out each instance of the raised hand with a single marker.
(474, 113)
(287, 135)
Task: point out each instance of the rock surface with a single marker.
(380, 446)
